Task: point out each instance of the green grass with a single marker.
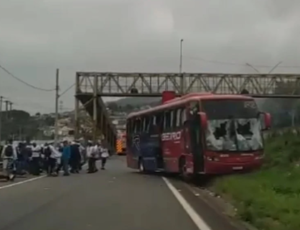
(269, 198)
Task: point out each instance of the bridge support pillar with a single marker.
(95, 110)
(76, 111)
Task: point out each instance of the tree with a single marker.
(49, 121)
(112, 106)
(128, 107)
(16, 115)
(13, 121)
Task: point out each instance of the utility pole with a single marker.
(10, 106)
(56, 106)
(6, 114)
(61, 106)
(180, 61)
(1, 102)
(180, 69)
(10, 109)
(6, 108)
(20, 134)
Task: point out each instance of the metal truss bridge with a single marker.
(91, 86)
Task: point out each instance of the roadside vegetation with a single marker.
(269, 198)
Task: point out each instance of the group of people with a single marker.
(69, 157)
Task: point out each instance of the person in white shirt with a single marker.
(35, 159)
(82, 155)
(104, 153)
(92, 155)
(52, 155)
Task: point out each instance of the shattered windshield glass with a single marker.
(233, 125)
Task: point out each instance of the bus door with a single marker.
(135, 139)
(194, 126)
(156, 132)
(148, 144)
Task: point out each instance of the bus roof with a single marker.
(187, 98)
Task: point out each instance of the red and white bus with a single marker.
(197, 134)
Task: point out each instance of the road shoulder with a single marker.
(206, 207)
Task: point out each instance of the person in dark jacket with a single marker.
(75, 158)
(21, 161)
(9, 156)
(28, 155)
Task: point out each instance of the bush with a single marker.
(270, 197)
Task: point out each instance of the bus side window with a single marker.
(178, 117)
(183, 116)
(173, 118)
(128, 126)
(131, 126)
(140, 125)
(160, 120)
(152, 123)
(167, 120)
(143, 128)
(134, 128)
(164, 122)
(137, 125)
(147, 123)
(128, 130)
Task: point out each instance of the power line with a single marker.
(36, 105)
(70, 87)
(31, 104)
(237, 64)
(24, 82)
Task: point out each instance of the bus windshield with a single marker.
(233, 125)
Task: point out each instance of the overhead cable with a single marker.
(24, 82)
(237, 64)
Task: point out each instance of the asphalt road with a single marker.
(114, 199)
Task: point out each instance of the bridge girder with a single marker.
(153, 84)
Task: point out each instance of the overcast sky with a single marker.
(38, 36)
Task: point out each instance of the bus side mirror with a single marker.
(265, 121)
(203, 119)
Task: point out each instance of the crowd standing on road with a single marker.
(68, 157)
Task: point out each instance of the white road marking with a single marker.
(199, 222)
(21, 182)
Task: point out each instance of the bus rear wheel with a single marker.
(182, 170)
(141, 166)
